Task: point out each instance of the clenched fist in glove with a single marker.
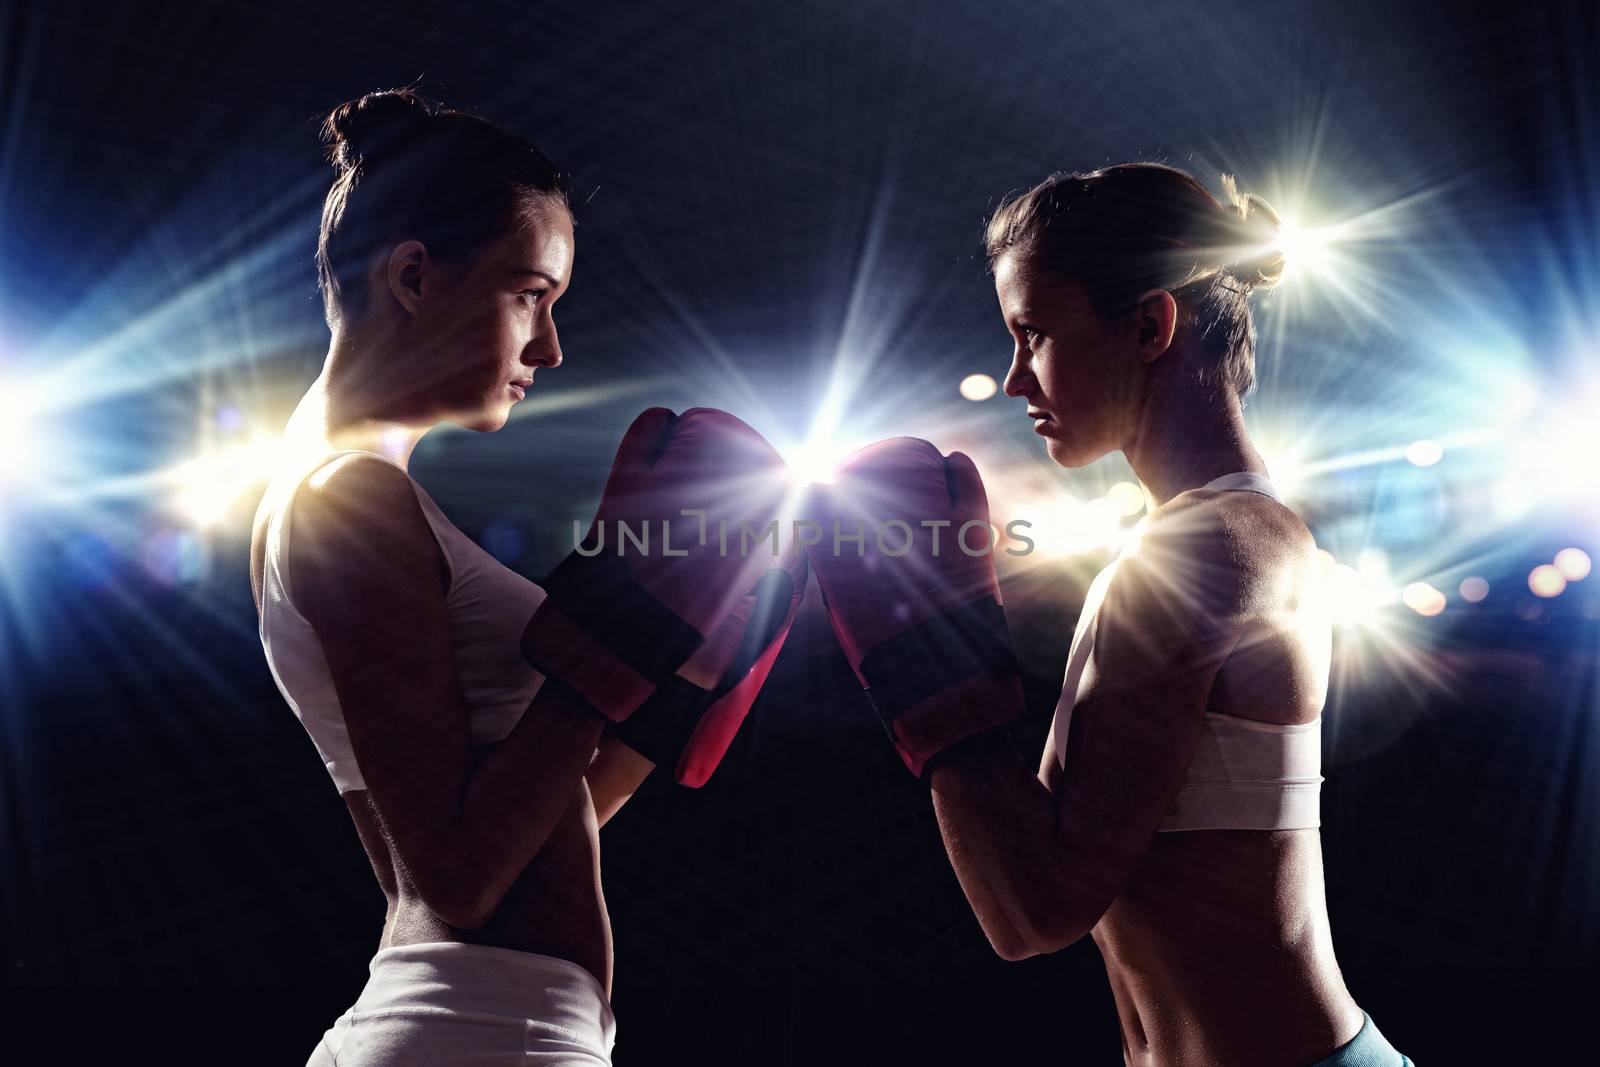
(907, 573)
(654, 596)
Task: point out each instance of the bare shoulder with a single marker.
(356, 476)
(358, 529)
(258, 552)
(1232, 553)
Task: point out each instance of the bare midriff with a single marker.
(555, 907)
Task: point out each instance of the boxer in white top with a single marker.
(466, 714)
(1173, 816)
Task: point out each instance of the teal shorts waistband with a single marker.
(1369, 1048)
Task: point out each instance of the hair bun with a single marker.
(373, 125)
(1261, 260)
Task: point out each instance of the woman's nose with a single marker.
(545, 349)
(1018, 377)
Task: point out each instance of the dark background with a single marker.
(766, 192)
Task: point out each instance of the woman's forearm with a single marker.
(615, 774)
(991, 913)
(999, 826)
(519, 791)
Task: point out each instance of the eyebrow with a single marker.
(525, 271)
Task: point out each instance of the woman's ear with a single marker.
(404, 272)
(1155, 316)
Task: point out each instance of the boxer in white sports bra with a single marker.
(1174, 814)
(395, 639)
(1245, 773)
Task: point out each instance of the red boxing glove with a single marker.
(653, 578)
(691, 727)
(907, 574)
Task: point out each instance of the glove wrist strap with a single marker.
(945, 679)
(662, 726)
(604, 635)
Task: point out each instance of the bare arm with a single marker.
(618, 770)
(615, 775)
(999, 826)
(968, 848)
(370, 578)
(1056, 848)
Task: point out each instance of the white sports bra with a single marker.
(488, 605)
(1245, 775)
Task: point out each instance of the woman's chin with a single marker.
(486, 421)
(1067, 454)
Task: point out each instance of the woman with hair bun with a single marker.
(1174, 815)
(445, 244)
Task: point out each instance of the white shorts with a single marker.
(454, 1005)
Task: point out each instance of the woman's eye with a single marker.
(1030, 334)
(532, 295)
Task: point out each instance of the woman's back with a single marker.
(487, 604)
(554, 906)
(1219, 949)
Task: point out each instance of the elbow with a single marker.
(1013, 949)
(1047, 934)
(1043, 940)
(1050, 926)
(465, 918)
(462, 905)
(1003, 937)
(1063, 903)
(469, 918)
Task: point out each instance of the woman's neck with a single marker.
(1186, 437)
(336, 411)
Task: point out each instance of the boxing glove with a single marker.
(906, 569)
(688, 726)
(638, 597)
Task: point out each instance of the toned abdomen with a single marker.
(1219, 950)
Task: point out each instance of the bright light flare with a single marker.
(1356, 596)
(813, 463)
(1424, 453)
(1375, 641)
(1306, 249)
(208, 486)
(16, 437)
(1373, 563)
(1062, 526)
(1423, 599)
(1127, 498)
(1352, 600)
(1286, 467)
(1552, 461)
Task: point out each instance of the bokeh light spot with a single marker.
(978, 387)
(1546, 581)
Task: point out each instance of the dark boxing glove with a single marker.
(923, 628)
(652, 580)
